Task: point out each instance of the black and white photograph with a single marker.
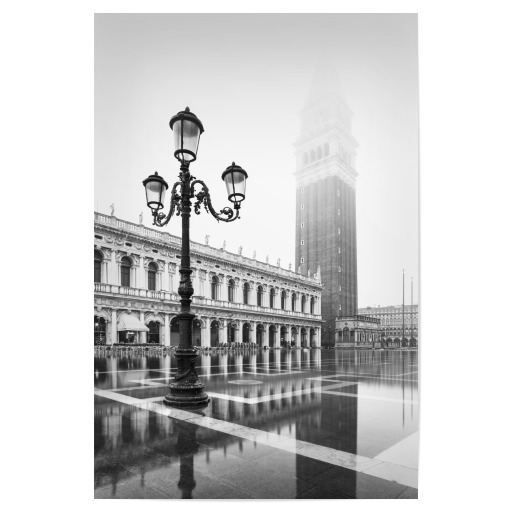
(300, 287)
(256, 256)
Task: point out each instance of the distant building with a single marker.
(325, 233)
(393, 320)
(357, 330)
(236, 299)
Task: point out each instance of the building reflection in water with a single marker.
(128, 437)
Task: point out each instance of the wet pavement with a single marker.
(281, 424)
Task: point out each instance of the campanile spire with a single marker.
(326, 196)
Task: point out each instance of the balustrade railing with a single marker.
(200, 301)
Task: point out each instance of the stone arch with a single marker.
(312, 336)
(215, 287)
(293, 336)
(303, 337)
(197, 325)
(246, 332)
(231, 334)
(99, 258)
(259, 295)
(154, 333)
(260, 335)
(231, 290)
(103, 313)
(175, 331)
(283, 335)
(100, 253)
(272, 336)
(214, 332)
(126, 265)
(100, 328)
(153, 317)
(272, 297)
(246, 292)
(312, 303)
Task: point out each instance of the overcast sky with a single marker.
(246, 78)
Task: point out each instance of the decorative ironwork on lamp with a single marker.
(185, 389)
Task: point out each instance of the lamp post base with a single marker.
(186, 390)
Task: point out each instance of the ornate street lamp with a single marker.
(185, 389)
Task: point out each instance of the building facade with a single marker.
(325, 233)
(358, 330)
(396, 322)
(236, 299)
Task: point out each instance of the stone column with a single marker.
(252, 332)
(140, 280)
(240, 332)
(265, 340)
(205, 332)
(113, 329)
(167, 330)
(104, 271)
(223, 292)
(318, 337)
(159, 282)
(172, 272)
(236, 281)
(143, 337)
(222, 331)
(165, 278)
(113, 274)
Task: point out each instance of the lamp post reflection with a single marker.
(186, 447)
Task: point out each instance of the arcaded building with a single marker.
(326, 199)
(397, 322)
(236, 298)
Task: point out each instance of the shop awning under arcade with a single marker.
(130, 323)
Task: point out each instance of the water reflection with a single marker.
(137, 449)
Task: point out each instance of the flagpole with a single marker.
(403, 304)
(412, 304)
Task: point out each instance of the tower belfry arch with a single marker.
(325, 232)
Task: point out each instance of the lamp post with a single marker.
(185, 389)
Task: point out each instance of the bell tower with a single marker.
(325, 232)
